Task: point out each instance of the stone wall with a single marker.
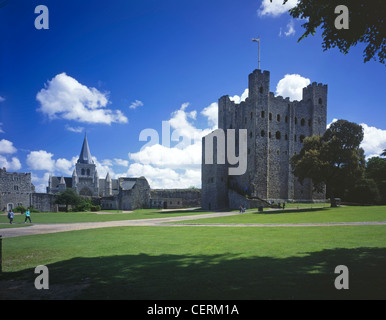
(44, 202)
(190, 198)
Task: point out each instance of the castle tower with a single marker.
(276, 128)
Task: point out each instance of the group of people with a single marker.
(242, 209)
(11, 215)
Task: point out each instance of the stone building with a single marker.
(15, 190)
(175, 198)
(276, 128)
(85, 179)
(115, 194)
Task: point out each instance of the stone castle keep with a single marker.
(276, 129)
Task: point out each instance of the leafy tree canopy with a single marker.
(366, 25)
(334, 159)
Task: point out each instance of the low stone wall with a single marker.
(190, 198)
(44, 202)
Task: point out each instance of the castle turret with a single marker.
(316, 96)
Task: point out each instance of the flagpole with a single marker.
(258, 40)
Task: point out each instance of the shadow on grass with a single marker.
(213, 277)
(278, 211)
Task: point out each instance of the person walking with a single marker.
(27, 216)
(10, 216)
(283, 205)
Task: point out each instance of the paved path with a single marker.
(162, 222)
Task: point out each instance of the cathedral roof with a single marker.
(85, 154)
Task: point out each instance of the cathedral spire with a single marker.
(85, 155)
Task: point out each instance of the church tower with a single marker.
(86, 173)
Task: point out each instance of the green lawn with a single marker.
(318, 215)
(73, 217)
(198, 263)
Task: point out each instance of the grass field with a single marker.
(203, 262)
(74, 217)
(303, 215)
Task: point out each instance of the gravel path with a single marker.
(161, 222)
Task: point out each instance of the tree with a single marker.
(383, 154)
(365, 191)
(366, 25)
(69, 197)
(376, 170)
(334, 160)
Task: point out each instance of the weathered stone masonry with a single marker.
(276, 129)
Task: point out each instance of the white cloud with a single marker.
(164, 157)
(239, 99)
(121, 162)
(2, 99)
(374, 141)
(167, 178)
(41, 160)
(40, 183)
(292, 86)
(291, 29)
(178, 166)
(136, 104)
(74, 129)
(1, 130)
(14, 164)
(211, 112)
(64, 97)
(275, 8)
(6, 147)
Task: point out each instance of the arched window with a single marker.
(302, 122)
(278, 135)
(309, 123)
(263, 114)
(262, 133)
(320, 101)
(286, 136)
(88, 172)
(278, 118)
(251, 115)
(295, 137)
(261, 89)
(82, 172)
(296, 120)
(270, 116)
(269, 134)
(286, 119)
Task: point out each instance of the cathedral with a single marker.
(85, 179)
(118, 194)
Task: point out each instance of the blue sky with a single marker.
(116, 68)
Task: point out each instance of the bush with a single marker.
(96, 208)
(20, 209)
(365, 191)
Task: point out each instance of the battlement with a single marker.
(315, 84)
